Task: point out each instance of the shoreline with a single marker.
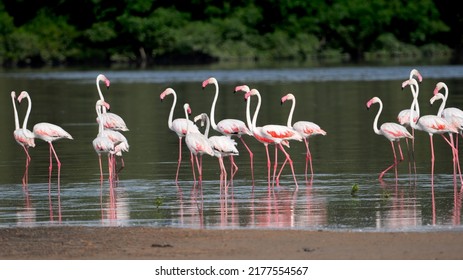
(143, 243)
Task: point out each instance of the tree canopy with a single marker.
(56, 32)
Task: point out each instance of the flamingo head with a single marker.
(202, 117)
(22, 95)
(415, 73)
(244, 88)
(439, 86)
(436, 96)
(187, 108)
(211, 80)
(372, 101)
(288, 96)
(250, 93)
(13, 94)
(103, 78)
(101, 103)
(166, 92)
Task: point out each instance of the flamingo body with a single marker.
(49, 132)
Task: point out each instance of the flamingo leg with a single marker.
(275, 164)
(26, 170)
(268, 165)
(57, 163)
(251, 158)
(101, 169)
(192, 166)
(432, 162)
(179, 157)
(281, 170)
(290, 164)
(392, 165)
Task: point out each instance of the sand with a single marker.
(138, 243)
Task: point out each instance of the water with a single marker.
(146, 193)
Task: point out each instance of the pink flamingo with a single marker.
(404, 116)
(430, 124)
(110, 120)
(272, 134)
(222, 145)
(197, 143)
(305, 128)
(23, 136)
(48, 132)
(229, 127)
(102, 143)
(392, 131)
(179, 126)
(455, 117)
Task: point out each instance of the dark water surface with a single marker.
(146, 193)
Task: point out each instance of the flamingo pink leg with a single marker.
(392, 165)
(290, 163)
(179, 157)
(251, 158)
(26, 171)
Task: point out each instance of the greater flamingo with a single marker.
(392, 131)
(272, 134)
(197, 143)
(222, 145)
(23, 136)
(404, 116)
(305, 128)
(229, 127)
(455, 117)
(49, 133)
(110, 120)
(430, 124)
(179, 126)
(102, 143)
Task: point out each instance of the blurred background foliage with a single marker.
(148, 32)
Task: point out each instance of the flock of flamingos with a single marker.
(111, 142)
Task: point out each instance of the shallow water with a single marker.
(147, 194)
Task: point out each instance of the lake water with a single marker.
(147, 194)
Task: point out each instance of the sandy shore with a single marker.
(134, 243)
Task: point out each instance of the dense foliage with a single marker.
(56, 32)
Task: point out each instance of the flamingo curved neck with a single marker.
(442, 106)
(26, 118)
(100, 123)
(16, 119)
(100, 93)
(213, 124)
(256, 112)
(290, 117)
(415, 107)
(171, 113)
(208, 125)
(375, 122)
(248, 114)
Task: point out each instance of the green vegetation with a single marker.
(67, 32)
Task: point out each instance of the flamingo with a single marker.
(23, 136)
(404, 116)
(179, 126)
(49, 133)
(392, 131)
(229, 127)
(455, 117)
(102, 143)
(305, 128)
(272, 134)
(222, 145)
(430, 124)
(197, 143)
(110, 120)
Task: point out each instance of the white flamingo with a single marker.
(179, 125)
(23, 136)
(229, 127)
